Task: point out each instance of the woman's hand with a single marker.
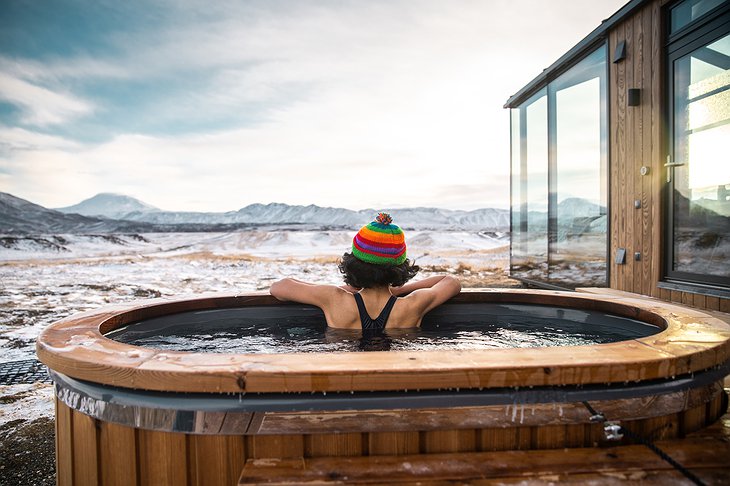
(426, 283)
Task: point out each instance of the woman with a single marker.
(375, 274)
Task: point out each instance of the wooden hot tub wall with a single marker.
(456, 401)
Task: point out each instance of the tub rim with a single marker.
(691, 340)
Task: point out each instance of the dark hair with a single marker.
(363, 275)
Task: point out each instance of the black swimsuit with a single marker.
(367, 322)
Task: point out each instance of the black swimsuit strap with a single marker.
(379, 322)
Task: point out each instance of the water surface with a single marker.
(302, 329)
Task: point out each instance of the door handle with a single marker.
(670, 165)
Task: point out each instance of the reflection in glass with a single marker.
(559, 160)
(578, 253)
(537, 187)
(530, 189)
(517, 250)
(701, 216)
(690, 10)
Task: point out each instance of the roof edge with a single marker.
(577, 51)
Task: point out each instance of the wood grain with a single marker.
(595, 464)
(117, 455)
(692, 341)
(64, 445)
(85, 441)
(393, 443)
(215, 460)
(162, 458)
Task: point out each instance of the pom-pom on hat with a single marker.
(380, 242)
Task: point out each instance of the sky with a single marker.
(210, 106)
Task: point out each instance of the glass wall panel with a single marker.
(518, 208)
(578, 253)
(536, 197)
(530, 189)
(701, 186)
(559, 157)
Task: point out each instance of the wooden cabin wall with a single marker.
(638, 138)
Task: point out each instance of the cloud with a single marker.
(15, 139)
(356, 104)
(41, 106)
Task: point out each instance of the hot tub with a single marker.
(129, 414)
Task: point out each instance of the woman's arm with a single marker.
(426, 283)
(428, 298)
(304, 292)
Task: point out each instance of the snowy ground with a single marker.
(46, 278)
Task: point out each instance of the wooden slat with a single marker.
(665, 294)
(694, 453)
(725, 305)
(215, 460)
(712, 476)
(650, 257)
(548, 437)
(319, 445)
(283, 446)
(118, 455)
(633, 80)
(486, 417)
(693, 419)
(501, 439)
(448, 441)
(393, 443)
(687, 298)
(64, 445)
(237, 455)
(699, 300)
(628, 175)
(656, 428)
(85, 443)
(712, 303)
(233, 423)
(715, 408)
(594, 435)
(676, 296)
(617, 171)
(162, 458)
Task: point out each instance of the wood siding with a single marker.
(637, 139)
(94, 452)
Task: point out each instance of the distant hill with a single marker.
(116, 213)
(18, 216)
(108, 205)
(21, 216)
(128, 208)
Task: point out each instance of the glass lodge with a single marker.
(620, 158)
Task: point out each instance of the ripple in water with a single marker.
(302, 329)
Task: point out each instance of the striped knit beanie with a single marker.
(380, 242)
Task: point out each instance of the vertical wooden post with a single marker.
(393, 443)
(162, 457)
(85, 457)
(118, 451)
(64, 445)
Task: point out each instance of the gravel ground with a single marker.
(27, 452)
(71, 285)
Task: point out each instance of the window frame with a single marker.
(702, 31)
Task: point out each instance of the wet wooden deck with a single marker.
(705, 453)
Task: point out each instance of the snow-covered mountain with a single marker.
(116, 206)
(112, 215)
(20, 216)
(108, 205)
